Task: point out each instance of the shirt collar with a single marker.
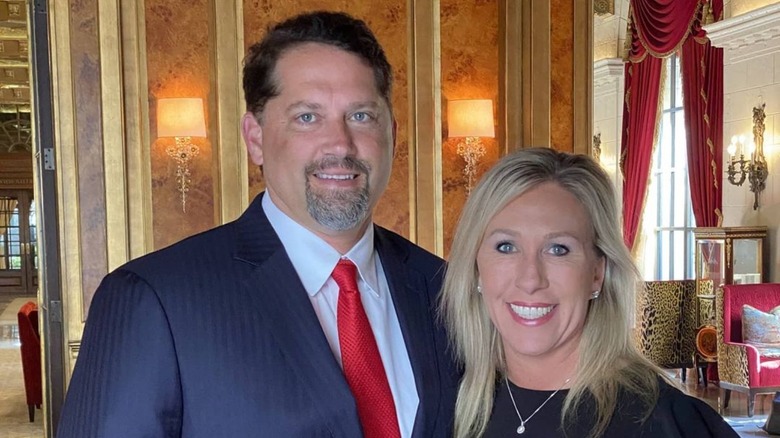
(313, 258)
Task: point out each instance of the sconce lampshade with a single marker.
(180, 117)
(470, 118)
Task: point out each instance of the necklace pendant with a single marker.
(521, 429)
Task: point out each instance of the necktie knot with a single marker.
(345, 275)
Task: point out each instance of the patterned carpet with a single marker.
(14, 422)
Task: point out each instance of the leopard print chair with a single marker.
(665, 330)
(740, 367)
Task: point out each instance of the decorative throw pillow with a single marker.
(762, 330)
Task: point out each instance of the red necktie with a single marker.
(361, 361)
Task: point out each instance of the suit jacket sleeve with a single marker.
(126, 381)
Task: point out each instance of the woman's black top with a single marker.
(675, 415)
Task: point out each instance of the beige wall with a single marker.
(752, 74)
(608, 84)
(752, 69)
(732, 8)
(609, 32)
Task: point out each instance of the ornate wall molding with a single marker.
(604, 7)
(510, 90)
(16, 183)
(426, 226)
(606, 75)
(758, 30)
(231, 191)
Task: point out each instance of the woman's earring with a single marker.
(479, 287)
(595, 294)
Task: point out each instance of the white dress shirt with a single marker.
(314, 261)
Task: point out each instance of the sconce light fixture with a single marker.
(597, 146)
(753, 169)
(181, 118)
(472, 119)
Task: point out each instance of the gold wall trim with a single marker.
(67, 172)
(16, 183)
(112, 111)
(231, 188)
(137, 137)
(425, 169)
(583, 77)
(510, 89)
(535, 28)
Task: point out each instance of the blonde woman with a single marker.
(537, 297)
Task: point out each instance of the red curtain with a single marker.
(702, 80)
(640, 110)
(663, 24)
(658, 28)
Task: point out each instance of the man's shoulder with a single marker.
(414, 252)
(201, 249)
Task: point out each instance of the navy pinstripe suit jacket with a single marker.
(215, 336)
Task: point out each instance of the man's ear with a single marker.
(395, 133)
(253, 137)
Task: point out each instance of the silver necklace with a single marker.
(521, 427)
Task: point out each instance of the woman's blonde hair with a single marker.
(608, 362)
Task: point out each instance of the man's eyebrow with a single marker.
(303, 104)
(365, 104)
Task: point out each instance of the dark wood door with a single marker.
(18, 243)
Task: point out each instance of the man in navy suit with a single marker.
(240, 331)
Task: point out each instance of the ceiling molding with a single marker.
(747, 36)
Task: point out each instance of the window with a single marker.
(668, 220)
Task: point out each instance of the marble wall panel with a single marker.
(387, 19)
(177, 47)
(85, 59)
(469, 70)
(561, 74)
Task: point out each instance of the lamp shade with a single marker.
(470, 118)
(180, 117)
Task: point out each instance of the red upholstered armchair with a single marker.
(740, 366)
(31, 356)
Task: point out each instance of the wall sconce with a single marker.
(755, 169)
(472, 119)
(181, 118)
(597, 147)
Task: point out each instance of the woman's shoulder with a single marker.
(679, 414)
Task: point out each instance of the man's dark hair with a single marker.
(331, 28)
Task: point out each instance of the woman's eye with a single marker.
(505, 247)
(306, 118)
(559, 250)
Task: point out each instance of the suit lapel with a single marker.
(277, 293)
(409, 290)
